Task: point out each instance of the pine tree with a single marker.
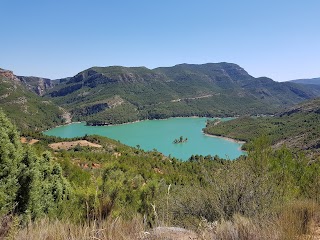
(10, 157)
(55, 188)
(29, 195)
(29, 185)
(42, 186)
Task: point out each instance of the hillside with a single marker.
(297, 127)
(26, 109)
(314, 81)
(120, 94)
(106, 190)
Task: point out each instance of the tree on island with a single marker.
(180, 140)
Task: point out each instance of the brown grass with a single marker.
(116, 229)
(239, 228)
(25, 140)
(299, 220)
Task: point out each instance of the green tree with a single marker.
(10, 157)
(29, 194)
(42, 186)
(29, 185)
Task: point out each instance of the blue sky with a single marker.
(279, 39)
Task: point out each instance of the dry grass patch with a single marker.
(25, 140)
(170, 233)
(299, 220)
(239, 228)
(73, 144)
(116, 229)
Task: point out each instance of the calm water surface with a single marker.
(159, 134)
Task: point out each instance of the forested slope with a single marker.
(25, 108)
(297, 127)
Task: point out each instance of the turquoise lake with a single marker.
(159, 134)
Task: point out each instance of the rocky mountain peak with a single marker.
(37, 84)
(8, 75)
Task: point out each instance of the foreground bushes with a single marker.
(292, 223)
(31, 186)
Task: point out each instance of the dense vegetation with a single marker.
(26, 109)
(116, 181)
(297, 127)
(107, 95)
(31, 185)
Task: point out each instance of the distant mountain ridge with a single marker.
(314, 81)
(212, 89)
(116, 94)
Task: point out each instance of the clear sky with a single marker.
(59, 38)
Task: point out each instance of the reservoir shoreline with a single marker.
(159, 135)
(226, 138)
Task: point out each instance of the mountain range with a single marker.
(314, 81)
(116, 94)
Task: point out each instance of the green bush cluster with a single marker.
(31, 186)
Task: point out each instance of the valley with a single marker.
(135, 172)
(160, 120)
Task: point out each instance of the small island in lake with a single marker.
(180, 140)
